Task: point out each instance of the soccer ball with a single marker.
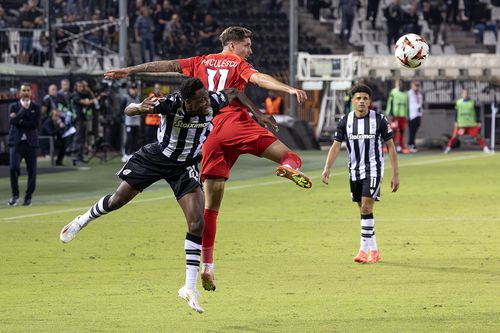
(411, 50)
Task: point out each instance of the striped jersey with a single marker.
(181, 135)
(364, 138)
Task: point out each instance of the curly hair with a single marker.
(190, 87)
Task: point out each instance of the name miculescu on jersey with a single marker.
(361, 136)
(181, 124)
(219, 63)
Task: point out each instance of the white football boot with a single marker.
(191, 297)
(68, 233)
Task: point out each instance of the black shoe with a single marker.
(13, 201)
(27, 202)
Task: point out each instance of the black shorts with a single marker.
(148, 165)
(368, 187)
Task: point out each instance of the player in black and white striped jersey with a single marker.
(185, 125)
(364, 131)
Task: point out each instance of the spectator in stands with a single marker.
(434, 17)
(162, 16)
(82, 104)
(144, 29)
(411, 19)
(132, 123)
(394, 15)
(175, 35)
(397, 111)
(415, 108)
(29, 18)
(4, 38)
(49, 102)
(372, 11)
(467, 122)
(55, 127)
(451, 11)
(481, 20)
(23, 143)
(274, 104)
(209, 32)
(187, 10)
(63, 44)
(348, 10)
(315, 7)
(152, 121)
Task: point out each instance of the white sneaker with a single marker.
(68, 233)
(191, 297)
(486, 150)
(447, 150)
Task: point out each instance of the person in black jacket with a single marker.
(55, 127)
(23, 143)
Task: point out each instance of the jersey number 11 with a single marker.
(212, 73)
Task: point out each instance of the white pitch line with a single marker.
(240, 187)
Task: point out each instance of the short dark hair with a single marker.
(234, 34)
(190, 87)
(27, 84)
(361, 88)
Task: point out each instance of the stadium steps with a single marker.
(465, 42)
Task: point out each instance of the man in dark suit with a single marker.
(23, 143)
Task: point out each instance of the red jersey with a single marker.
(220, 71)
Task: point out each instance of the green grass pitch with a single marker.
(283, 254)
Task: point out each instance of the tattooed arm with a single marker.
(149, 67)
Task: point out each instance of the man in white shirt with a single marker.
(415, 103)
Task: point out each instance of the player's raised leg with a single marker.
(123, 194)
(192, 206)
(289, 163)
(214, 192)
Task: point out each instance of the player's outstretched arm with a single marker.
(330, 159)
(393, 156)
(263, 120)
(268, 82)
(163, 66)
(146, 106)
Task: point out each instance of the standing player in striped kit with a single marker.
(186, 122)
(364, 132)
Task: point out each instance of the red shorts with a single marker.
(230, 138)
(399, 123)
(472, 131)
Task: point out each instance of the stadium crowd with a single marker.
(410, 16)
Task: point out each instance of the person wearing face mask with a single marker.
(23, 143)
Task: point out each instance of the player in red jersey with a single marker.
(234, 133)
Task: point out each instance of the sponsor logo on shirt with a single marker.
(361, 136)
(179, 123)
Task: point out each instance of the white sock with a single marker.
(97, 210)
(367, 233)
(209, 265)
(192, 246)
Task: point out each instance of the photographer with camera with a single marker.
(55, 127)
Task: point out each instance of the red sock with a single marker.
(208, 241)
(481, 141)
(401, 139)
(292, 159)
(451, 142)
